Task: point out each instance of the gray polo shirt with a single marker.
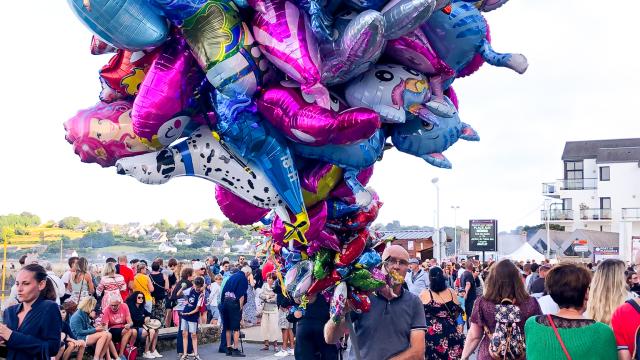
(385, 330)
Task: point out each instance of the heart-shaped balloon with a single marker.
(352, 249)
(359, 301)
(322, 284)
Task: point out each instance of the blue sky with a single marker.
(582, 84)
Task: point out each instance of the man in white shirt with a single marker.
(66, 277)
(416, 279)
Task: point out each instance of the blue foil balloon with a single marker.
(368, 260)
(337, 209)
(126, 24)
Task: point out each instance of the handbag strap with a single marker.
(555, 330)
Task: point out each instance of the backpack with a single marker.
(130, 352)
(636, 354)
(507, 340)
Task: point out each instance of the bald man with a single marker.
(394, 326)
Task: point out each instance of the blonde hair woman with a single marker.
(111, 284)
(608, 290)
(81, 327)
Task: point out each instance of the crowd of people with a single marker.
(428, 310)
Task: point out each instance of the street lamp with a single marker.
(434, 181)
(455, 230)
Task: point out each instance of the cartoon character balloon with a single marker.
(203, 155)
(104, 133)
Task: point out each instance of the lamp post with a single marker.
(434, 181)
(455, 230)
(547, 219)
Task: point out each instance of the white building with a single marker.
(599, 190)
(182, 239)
(166, 247)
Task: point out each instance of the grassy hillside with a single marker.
(50, 234)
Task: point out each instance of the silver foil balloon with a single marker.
(358, 46)
(402, 16)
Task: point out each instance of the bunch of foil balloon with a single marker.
(285, 105)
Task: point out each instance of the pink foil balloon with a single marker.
(165, 92)
(103, 134)
(312, 124)
(281, 30)
(238, 210)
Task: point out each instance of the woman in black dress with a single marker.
(444, 337)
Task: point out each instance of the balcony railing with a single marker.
(579, 184)
(595, 214)
(630, 213)
(557, 215)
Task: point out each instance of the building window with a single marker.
(566, 204)
(605, 208)
(574, 175)
(604, 173)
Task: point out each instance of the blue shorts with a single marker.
(214, 311)
(189, 326)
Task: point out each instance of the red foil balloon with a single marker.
(99, 47)
(352, 249)
(359, 300)
(124, 73)
(320, 285)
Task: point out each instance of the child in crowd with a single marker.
(212, 301)
(190, 315)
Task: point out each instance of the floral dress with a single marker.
(444, 338)
(250, 310)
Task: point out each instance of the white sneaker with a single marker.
(148, 355)
(156, 354)
(290, 351)
(281, 353)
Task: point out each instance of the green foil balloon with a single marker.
(362, 279)
(321, 265)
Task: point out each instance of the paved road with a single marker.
(210, 351)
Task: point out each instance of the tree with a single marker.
(70, 222)
(6, 232)
(164, 225)
(180, 224)
(202, 238)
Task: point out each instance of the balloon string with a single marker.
(278, 267)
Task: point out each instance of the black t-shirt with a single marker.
(158, 293)
(467, 277)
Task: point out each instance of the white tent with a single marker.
(526, 252)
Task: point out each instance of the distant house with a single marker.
(158, 237)
(220, 247)
(244, 248)
(182, 239)
(166, 247)
(194, 228)
(136, 231)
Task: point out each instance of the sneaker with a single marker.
(196, 357)
(184, 357)
(156, 354)
(290, 351)
(229, 350)
(281, 353)
(148, 355)
(237, 353)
